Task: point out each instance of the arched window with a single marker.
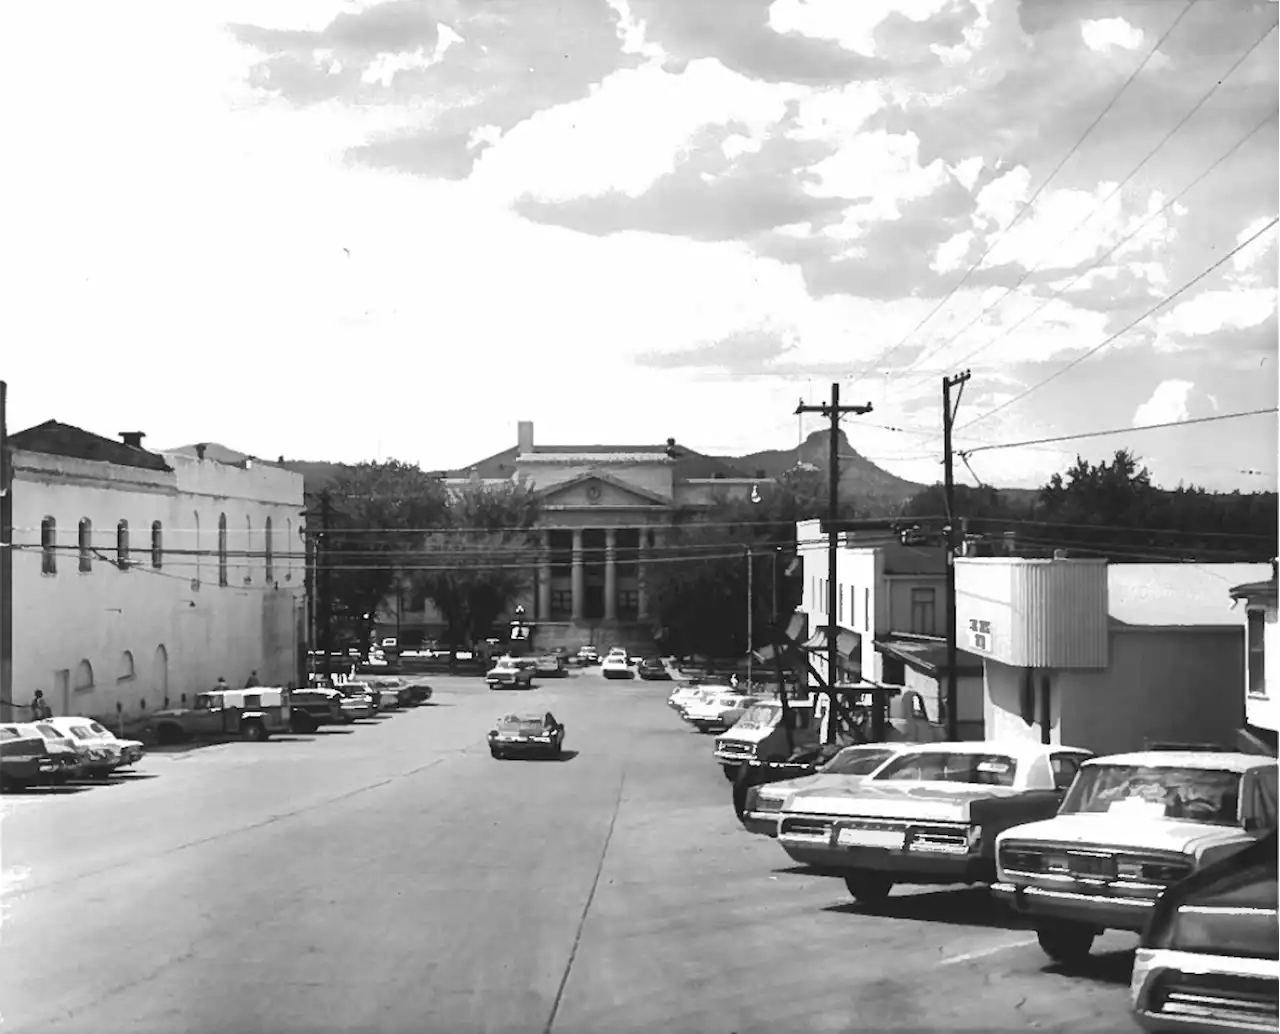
(127, 671)
(84, 676)
(195, 582)
(86, 545)
(266, 551)
(122, 545)
(157, 544)
(48, 546)
(222, 549)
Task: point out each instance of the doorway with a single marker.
(62, 690)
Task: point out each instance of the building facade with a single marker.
(140, 579)
(605, 511)
(892, 614)
(1262, 637)
(1107, 657)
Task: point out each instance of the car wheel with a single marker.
(868, 887)
(255, 732)
(731, 772)
(745, 780)
(1064, 942)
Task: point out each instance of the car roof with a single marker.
(524, 717)
(1224, 761)
(1012, 748)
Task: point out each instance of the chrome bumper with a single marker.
(1104, 911)
(1159, 1004)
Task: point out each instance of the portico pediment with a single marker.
(598, 489)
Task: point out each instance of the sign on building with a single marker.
(981, 638)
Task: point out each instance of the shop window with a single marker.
(1257, 655)
(923, 611)
(86, 545)
(122, 545)
(48, 546)
(157, 544)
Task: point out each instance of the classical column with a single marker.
(578, 587)
(610, 574)
(544, 579)
(642, 594)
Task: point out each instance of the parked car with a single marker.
(253, 714)
(587, 656)
(1131, 826)
(356, 702)
(760, 736)
(550, 665)
(931, 815)
(615, 666)
(523, 735)
(508, 672)
(718, 713)
(26, 760)
(100, 755)
(703, 696)
(92, 760)
(682, 694)
(313, 707)
(758, 805)
(1208, 960)
(652, 669)
(131, 751)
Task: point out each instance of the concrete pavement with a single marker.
(393, 877)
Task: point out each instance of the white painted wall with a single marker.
(180, 627)
(1263, 710)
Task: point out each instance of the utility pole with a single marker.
(952, 532)
(6, 562)
(833, 411)
(323, 573)
(751, 626)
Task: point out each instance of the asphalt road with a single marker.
(395, 878)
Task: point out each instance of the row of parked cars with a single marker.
(1177, 845)
(55, 751)
(519, 672)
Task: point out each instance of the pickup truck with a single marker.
(251, 714)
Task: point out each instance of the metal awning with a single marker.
(848, 644)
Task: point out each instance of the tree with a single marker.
(476, 566)
(379, 511)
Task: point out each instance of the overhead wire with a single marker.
(1026, 205)
(1204, 99)
(1125, 329)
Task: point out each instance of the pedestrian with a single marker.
(40, 708)
(253, 680)
(222, 686)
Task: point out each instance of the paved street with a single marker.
(393, 877)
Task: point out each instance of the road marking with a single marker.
(970, 956)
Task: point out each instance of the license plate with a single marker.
(1057, 863)
(891, 839)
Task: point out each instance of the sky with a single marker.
(357, 230)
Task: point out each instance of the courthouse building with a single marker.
(604, 510)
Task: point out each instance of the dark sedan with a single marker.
(652, 669)
(526, 735)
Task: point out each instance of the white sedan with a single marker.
(615, 666)
(95, 734)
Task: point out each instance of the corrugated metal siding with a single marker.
(1061, 608)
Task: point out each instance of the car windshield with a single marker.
(512, 724)
(99, 729)
(1156, 791)
(49, 732)
(81, 733)
(9, 734)
(856, 761)
(953, 767)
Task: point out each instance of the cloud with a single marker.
(1108, 33)
(1166, 404)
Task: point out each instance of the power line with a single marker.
(1026, 205)
(1120, 430)
(1126, 328)
(1101, 204)
(1103, 257)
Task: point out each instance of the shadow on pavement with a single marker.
(1110, 967)
(797, 870)
(180, 748)
(969, 906)
(326, 730)
(46, 791)
(119, 778)
(564, 755)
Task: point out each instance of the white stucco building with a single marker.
(1105, 656)
(892, 616)
(1256, 608)
(141, 578)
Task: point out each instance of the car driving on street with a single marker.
(508, 673)
(525, 735)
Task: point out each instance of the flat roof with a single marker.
(1224, 761)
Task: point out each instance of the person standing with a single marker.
(253, 680)
(40, 708)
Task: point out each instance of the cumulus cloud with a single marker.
(1107, 33)
(1167, 403)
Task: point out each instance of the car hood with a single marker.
(935, 801)
(749, 734)
(1175, 835)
